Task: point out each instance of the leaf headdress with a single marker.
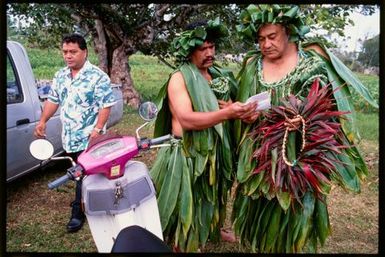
(253, 17)
(188, 40)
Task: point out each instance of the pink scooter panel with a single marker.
(109, 156)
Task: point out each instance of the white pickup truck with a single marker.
(24, 107)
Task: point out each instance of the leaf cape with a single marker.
(299, 223)
(193, 177)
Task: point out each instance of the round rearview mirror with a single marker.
(148, 111)
(41, 149)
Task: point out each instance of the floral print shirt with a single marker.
(80, 99)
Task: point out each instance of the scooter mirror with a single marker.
(41, 149)
(148, 111)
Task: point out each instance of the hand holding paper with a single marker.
(263, 100)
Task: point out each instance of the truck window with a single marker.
(14, 92)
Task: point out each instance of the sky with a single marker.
(364, 26)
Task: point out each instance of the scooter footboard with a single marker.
(112, 205)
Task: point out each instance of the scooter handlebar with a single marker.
(60, 181)
(159, 140)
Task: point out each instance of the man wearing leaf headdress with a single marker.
(193, 176)
(290, 156)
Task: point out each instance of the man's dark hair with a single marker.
(195, 24)
(75, 38)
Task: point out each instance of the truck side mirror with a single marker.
(41, 149)
(148, 111)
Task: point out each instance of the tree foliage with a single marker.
(370, 55)
(118, 30)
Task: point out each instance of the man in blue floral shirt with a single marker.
(85, 97)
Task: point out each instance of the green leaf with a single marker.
(273, 228)
(200, 164)
(186, 200)
(291, 146)
(254, 214)
(344, 103)
(284, 199)
(247, 78)
(245, 161)
(304, 30)
(156, 173)
(321, 220)
(169, 192)
(292, 12)
(179, 239)
(359, 163)
(252, 8)
(199, 32)
(274, 157)
(253, 183)
(293, 229)
(305, 221)
(192, 241)
(212, 170)
(347, 172)
(207, 210)
(283, 231)
(259, 231)
(265, 187)
(348, 76)
(202, 97)
(202, 143)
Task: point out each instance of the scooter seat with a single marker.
(137, 239)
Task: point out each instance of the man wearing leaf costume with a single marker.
(194, 175)
(290, 156)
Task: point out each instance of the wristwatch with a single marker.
(98, 130)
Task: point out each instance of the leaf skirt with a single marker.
(191, 208)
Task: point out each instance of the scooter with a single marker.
(118, 196)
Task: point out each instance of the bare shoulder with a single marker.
(317, 49)
(176, 83)
(176, 79)
(178, 96)
(177, 76)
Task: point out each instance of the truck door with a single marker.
(21, 116)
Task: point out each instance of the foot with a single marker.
(228, 236)
(77, 218)
(75, 224)
(176, 249)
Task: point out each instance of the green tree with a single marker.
(370, 54)
(118, 30)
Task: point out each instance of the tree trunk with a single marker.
(113, 59)
(120, 74)
(100, 45)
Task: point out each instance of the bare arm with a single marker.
(48, 110)
(181, 108)
(102, 119)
